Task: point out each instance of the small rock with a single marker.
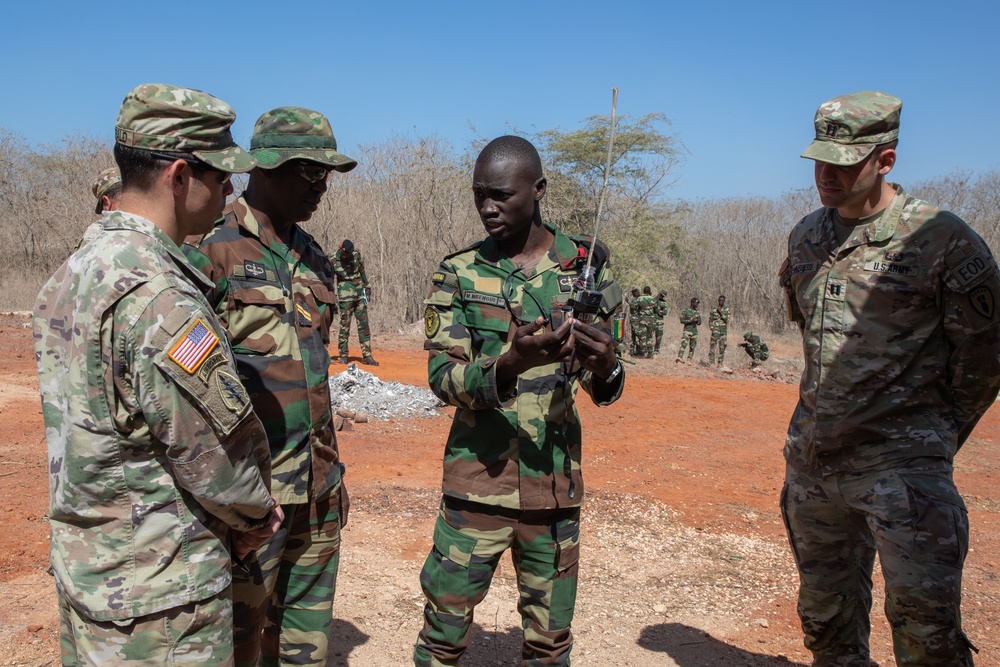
(660, 608)
(762, 622)
(34, 628)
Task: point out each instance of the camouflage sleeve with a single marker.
(602, 393)
(203, 263)
(456, 373)
(971, 319)
(175, 373)
(791, 304)
(361, 270)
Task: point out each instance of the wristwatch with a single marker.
(615, 372)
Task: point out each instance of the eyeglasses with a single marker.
(312, 172)
(508, 291)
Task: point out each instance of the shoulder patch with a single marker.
(432, 322)
(194, 346)
(234, 396)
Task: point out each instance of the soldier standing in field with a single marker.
(690, 318)
(274, 292)
(107, 191)
(660, 310)
(646, 306)
(755, 347)
(354, 293)
(634, 323)
(159, 468)
(505, 353)
(897, 303)
(718, 323)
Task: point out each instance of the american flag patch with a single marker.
(194, 346)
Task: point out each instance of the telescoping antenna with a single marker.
(586, 300)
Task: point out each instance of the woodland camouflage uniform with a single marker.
(353, 292)
(718, 323)
(632, 305)
(155, 454)
(277, 303)
(660, 310)
(646, 308)
(690, 318)
(901, 341)
(512, 462)
(755, 347)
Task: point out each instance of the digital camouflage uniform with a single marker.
(901, 342)
(352, 293)
(277, 304)
(690, 318)
(512, 476)
(660, 310)
(154, 451)
(646, 308)
(756, 349)
(718, 323)
(108, 180)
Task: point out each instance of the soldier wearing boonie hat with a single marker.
(897, 302)
(274, 289)
(160, 468)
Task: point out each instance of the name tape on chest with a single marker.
(194, 346)
(805, 267)
(893, 268)
(471, 296)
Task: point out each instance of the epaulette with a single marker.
(601, 251)
(474, 246)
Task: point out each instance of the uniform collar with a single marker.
(562, 254)
(881, 229)
(245, 219)
(123, 220)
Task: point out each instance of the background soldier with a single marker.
(896, 301)
(107, 191)
(512, 463)
(274, 292)
(660, 310)
(718, 323)
(646, 306)
(353, 294)
(634, 323)
(755, 347)
(690, 318)
(155, 454)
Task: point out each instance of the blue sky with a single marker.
(740, 81)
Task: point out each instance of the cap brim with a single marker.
(271, 158)
(234, 159)
(843, 155)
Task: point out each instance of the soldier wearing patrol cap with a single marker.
(107, 191)
(896, 301)
(159, 469)
(275, 294)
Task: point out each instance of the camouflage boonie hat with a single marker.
(106, 180)
(159, 117)
(747, 334)
(849, 127)
(662, 292)
(294, 133)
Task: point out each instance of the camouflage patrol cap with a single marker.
(160, 117)
(290, 133)
(849, 127)
(106, 180)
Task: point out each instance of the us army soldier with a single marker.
(107, 191)
(896, 301)
(158, 466)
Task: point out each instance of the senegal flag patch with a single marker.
(194, 346)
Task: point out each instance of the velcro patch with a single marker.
(971, 268)
(194, 346)
(471, 296)
(836, 289)
(892, 268)
(807, 267)
(305, 319)
(254, 270)
(231, 390)
(982, 301)
(566, 283)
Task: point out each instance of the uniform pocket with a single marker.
(939, 520)
(254, 316)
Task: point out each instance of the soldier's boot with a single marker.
(369, 360)
(343, 359)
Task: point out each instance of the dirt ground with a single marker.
(684, 556)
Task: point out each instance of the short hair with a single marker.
(139, 167)
(112, 192)
(647, 290)
(517, 149)
(635, 291)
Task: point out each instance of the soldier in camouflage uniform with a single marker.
(512, 463)
(158, 466)
(646, 308)
(755, 347)
(635, 325)
(896, 301)
(274, 293)
(660, 310)
(718, 323)
(353, 294)
(690, 318)
(107, 191)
